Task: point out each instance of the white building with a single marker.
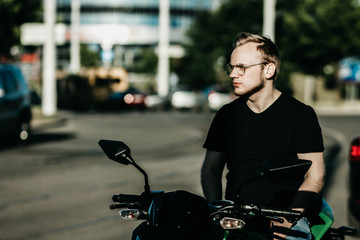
(120, 28)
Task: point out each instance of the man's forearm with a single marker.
(211, 175)
(314, 178)
(308, 193)
(212, 187)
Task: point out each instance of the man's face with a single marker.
(252, 81)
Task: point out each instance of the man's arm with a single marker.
(313, 181)
(211, 175)
(314, 178)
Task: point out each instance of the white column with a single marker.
(49, 61)
(75, 38)
(269, 18)
(309, 89)
(163, 51)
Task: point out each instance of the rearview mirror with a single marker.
(277, 169)
(116, 151)
(120, 152)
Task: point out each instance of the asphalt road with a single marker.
(60, 185)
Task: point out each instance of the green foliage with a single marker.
(318, 32)
(311, 34)
(146, 61)
(89, 58)
(13, 13)
(211, 38)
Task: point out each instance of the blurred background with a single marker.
(150, 73)
(98, 49)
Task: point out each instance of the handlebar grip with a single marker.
(280, 212)
(126, 198)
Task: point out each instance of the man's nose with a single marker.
(234, 73)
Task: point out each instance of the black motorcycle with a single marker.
(182, 215)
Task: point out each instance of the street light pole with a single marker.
(48, 105)
(163, 50)
(269, 18)
(75, 41)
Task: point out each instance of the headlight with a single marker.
(232, 223)
(129, 98)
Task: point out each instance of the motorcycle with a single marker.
(183, 215)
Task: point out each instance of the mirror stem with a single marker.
(147, 186)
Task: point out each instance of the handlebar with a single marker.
(249, 211)
(126, 198)
(280, 212)
(141, 202)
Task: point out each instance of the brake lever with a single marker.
(276, 219)
(124, 205)
(115, 206)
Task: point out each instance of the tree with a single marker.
(146, 62)
(88, 57)
(211, 38)
(318, 33)
(13, 13)
(201, 54)
(311, 34)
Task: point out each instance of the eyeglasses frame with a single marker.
(242, 67)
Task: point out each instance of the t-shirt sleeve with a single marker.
(217, 136)
(308, 136)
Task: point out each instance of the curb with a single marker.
(39, 121)
(339, 109)
(47, 122)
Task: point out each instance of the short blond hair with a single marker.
(267, 48)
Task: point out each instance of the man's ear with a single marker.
(269, 70)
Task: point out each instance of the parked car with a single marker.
(15, 105)
(184, 98)
(132, 98)
(154, 102)
(354, 183)
(218, 96)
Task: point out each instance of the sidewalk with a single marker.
(322, 109)
(338, 109)
(40, 121)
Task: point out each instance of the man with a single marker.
(262, 123)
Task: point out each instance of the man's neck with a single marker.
(262, 100)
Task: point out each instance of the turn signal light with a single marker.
(130, 214)
(232, 223)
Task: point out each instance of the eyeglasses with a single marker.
(240, 68)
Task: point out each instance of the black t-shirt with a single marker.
(284, 129)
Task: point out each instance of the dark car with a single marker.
(15, 106)
(354, 183)
(132, 98)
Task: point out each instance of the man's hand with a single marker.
(285, 226)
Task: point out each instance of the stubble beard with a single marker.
(251, 91)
